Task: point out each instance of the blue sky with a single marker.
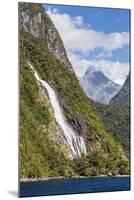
(101, 19)
(94, 36)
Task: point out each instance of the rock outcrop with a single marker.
(37, 22)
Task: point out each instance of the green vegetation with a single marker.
(40, 152)
(95, 165)
(39, 157)
(117, 122)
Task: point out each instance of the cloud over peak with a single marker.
(116, 71)
(80, 41)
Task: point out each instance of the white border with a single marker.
(9, 98)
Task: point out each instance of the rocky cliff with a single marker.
(34, 21)
(41, 45)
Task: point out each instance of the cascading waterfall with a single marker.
(74, 140)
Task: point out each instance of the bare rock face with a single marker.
(31, 24)
(38, 23)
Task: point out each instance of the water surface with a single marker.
(74, 186)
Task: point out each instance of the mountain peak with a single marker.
(98, 86)
(90, 69)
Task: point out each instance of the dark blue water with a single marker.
(74, 186)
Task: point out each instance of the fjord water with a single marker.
(74, 186)
(74, 140)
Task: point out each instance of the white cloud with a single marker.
(80, 65)
(77, 36)
(78, 21)
(104, 54)
(116, 71)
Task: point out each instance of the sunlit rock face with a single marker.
(38, 23)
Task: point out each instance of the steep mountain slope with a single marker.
(117, 122)
(42, 148)
(123, 96)
(98, 87)
(33, 20)
(37, 46)
(116, 116)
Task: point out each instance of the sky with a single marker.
(94, 37)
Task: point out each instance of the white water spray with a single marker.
(74, 140)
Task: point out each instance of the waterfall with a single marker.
(73, 139)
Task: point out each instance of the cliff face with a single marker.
(35, 21)
(123, 96)
(41, 45)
